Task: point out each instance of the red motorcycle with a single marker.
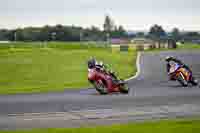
(104, 84)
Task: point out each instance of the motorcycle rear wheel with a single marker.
(124, 89)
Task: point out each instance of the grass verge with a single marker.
(164, 126)
(189, 46)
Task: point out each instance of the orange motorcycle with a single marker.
(182, 75)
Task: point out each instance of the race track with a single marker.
(152, 96)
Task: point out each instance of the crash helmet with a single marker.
(91, 63)
(172, 63)
(168, 58)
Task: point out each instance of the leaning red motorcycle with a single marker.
(104, 84)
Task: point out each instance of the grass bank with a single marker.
(189, 46)
(165, 126)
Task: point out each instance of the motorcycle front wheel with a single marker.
(101, 87)
(182, 80)
(194, 81)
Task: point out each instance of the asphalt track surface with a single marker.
(152, 96)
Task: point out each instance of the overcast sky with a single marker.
(132, 14)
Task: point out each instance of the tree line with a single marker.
(76, 33)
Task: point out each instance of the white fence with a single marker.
(4, 41)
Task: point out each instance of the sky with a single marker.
(132, 14)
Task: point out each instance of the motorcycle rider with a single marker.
(170, 60)
(104, 68)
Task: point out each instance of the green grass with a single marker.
(35, 68)
(165, 126)
(189, 46)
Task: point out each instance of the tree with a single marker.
(11, 35)
(45, 34)
(28, 34)
(175, 34)
(118, 32)
(121, 30)
(108, 24)
(56, 33)
(157, 32)
(3, 34)
(95, 29)
(140, 34)
(96, 33)
(18, 35)
(191, 36)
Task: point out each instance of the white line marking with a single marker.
(137, 66)
(181, 109)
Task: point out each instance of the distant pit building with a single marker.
(140, 44)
